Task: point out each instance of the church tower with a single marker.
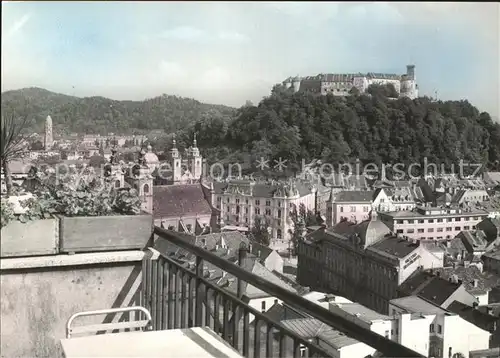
(49, 139)
(176, 162)
(114, 172)
(195, 161)
(142, 181)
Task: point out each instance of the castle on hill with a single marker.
(341, 84)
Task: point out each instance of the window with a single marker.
(246, 201)
(420, 230)
(387, 334)
(439, 220)
(268, 212)
(257, 211)
(448, 220)
(410, 231)
(466, 227)
(400, 221)
(440, 329)
(411, 221)
(458, 228)
(439, 229)
(431, 220)
(341, 209)
(237, 201)
(227, 200)
(246, 210)
(145, 188)
(400, 231)
(448, 229)
(263, 306)
(430, 230)
(268, 203)
(431, 328)
(457, 219)
(278, 234)
(257, 202)
(218, 199)
(118, 184)
(365, 209)
(279, 214)
(353, 209)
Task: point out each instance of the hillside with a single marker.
(102, 115)
(371, 128)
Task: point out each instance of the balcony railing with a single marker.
(179, 296)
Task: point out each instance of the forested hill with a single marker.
(373, 128)
(103, 115)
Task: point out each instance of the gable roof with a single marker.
(470, 276)
(430, 287)
(179, 200)
(476, 317)
(357, 196)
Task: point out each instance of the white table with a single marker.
(198, 342)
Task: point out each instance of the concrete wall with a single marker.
(39, 294)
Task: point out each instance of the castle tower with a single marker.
(142, 181)
(176, 162)
(195, 160)
(296, 84)
(49, 139)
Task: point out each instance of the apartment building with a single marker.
(362, 262)
(433, 223)
(353, 206)
(240, 201)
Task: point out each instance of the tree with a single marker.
(260, 230)
(301, 219)
(354, 91)
(12, 144)
(37, 145)
(96, 161)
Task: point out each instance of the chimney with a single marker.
(216, 246)
(258, 254)
(475, 304)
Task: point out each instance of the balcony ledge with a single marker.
(33, 262)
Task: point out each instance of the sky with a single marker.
(230, 52)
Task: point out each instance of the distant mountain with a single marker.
(103, 115)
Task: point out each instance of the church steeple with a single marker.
(195, 160)
(175, 162)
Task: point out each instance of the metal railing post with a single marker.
(199, 294)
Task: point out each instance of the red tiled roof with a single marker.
(179, 200)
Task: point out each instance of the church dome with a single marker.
(150, 157)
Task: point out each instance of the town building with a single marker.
(241, 201)
(433, 223)
(449, 334)
(492, 261)
(363, 262)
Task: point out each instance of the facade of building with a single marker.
(491, 261)
(364, 262)
(241, 201)
(353, 206)
(341, 84)
(433, 223)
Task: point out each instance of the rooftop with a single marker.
(434, 212)
(415, 304)
(362, 312)
(354, 197)
(476, 317)
(179, 200)
(485, 281)
(394, 246)
(314, 328)
(431, 287)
